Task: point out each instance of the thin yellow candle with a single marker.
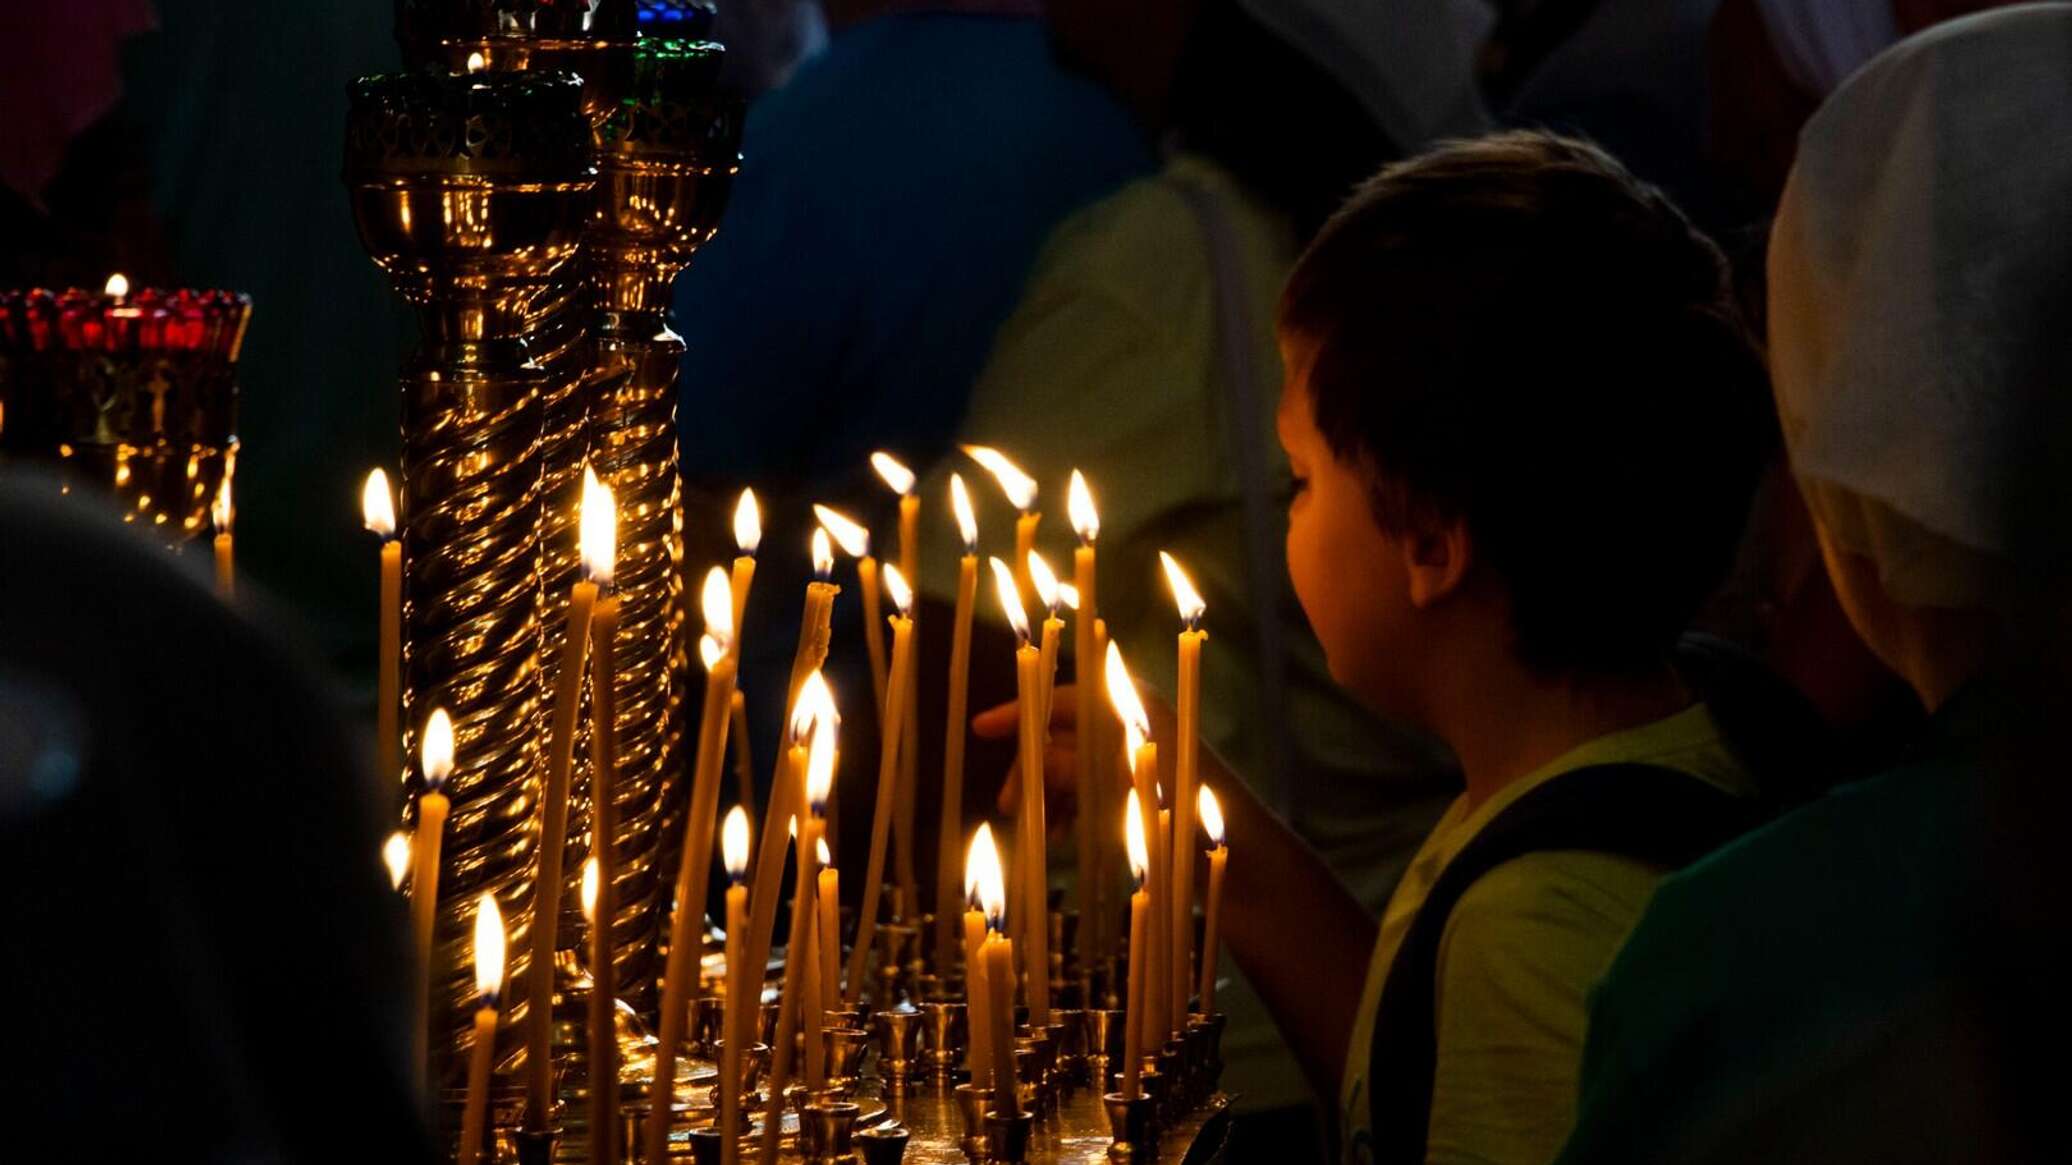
(1171, 1008)
(742, 994)
(902, 481)
(1187, 744)
(436, 763)
(1052, 597)
(816, 705)
(1020, 489)
(855, 542)
(955, 730)
(997, 954)
(601, 1028)
(787, 795)
(888, 785)
(1140, 908)
(813, 996)
(395, 855)
(744, 763)
(816, 627)
(378, 511)
(220, 515)
(1219, 857)
(1031, 870)
(489, 982)
(748, 537)
(1086, 523)
(1136, 727)
(1100, 785)
(686, 922)
(596, 547)
(828, 930)
(981, 867)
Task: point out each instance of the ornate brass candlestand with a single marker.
(470, 192)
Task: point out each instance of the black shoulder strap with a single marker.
(1649, 813)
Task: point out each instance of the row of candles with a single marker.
(1158, 833)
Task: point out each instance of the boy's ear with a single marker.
(1436, 556)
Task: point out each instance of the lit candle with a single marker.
(748, 536)
(1140, 907)
(1185, 780)
(1031, 869)
(828, 930)
(744, 764)
(954, 731)
(602, 1027)
(888, 784)
(604, 833)
(1219, 857)
(1020, 489)
(489, 981)
(981, 863)
(686, 922)
(902, 481)
(1143, 753)
(855, 542)
(1086, 523)
(817, 625)
(1102, 748)
(596, 548)
(378, 511)
(787, 794)
(816, 705)
(395, 854)
(1052, 597)
(220, 514)
(997, 953)
(436, 763)
(742, 995)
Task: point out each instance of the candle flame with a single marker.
(748, 524)
(1068, 595)
(1133, 837)
(219, 510)
(395, 854)
(983, 881)
(791, 827)
(1136, 723)
(1079, 505)
(1019, 487)
(117, 285)
(814, 696)
(475, 62)
(902, 594)
(717, 601)
(489, 947)
(1010, 598)
(853, 538)
(711, 651)
(823, 554)
(820, 759)
(591, 876)
(377, 506)
(436, 753)
(895, 473)
(1211, 813)
(822, 854)
(597, 529)
(967, 522)
(733, 843)
(1184, 595)
(1045, 580)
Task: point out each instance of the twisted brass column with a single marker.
(470, 191)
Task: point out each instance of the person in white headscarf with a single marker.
(1838, 985)
(1143, 352)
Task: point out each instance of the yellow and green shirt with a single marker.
(1519, 956)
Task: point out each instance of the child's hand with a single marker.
(1061, 755)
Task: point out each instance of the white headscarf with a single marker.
(1921, 310)
(1819, 42)
(1410, 63)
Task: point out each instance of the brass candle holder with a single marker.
(470, 192)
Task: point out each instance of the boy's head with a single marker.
(1522, 415)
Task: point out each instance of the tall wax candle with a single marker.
(817, 624)
(1136, 726)
(888, 786)
(601, 1022)
(744, 763)
(999, 959)
(604, 832)
(1187, 747)
(1020, 489)
(1140, 905)
(378, 511)
(489, 981)
(955, 730)
(742, 995)
(787, 799)
(748, 538)
(1219, 858)
(902, 481)
(814, 722)
(1169, 1007)
(1086, 523)
(1099, 788)
(1031, 883)
(436, 763)
(219, 512)
(596, 548)
(828, 926)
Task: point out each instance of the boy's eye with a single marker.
(1292, 486)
